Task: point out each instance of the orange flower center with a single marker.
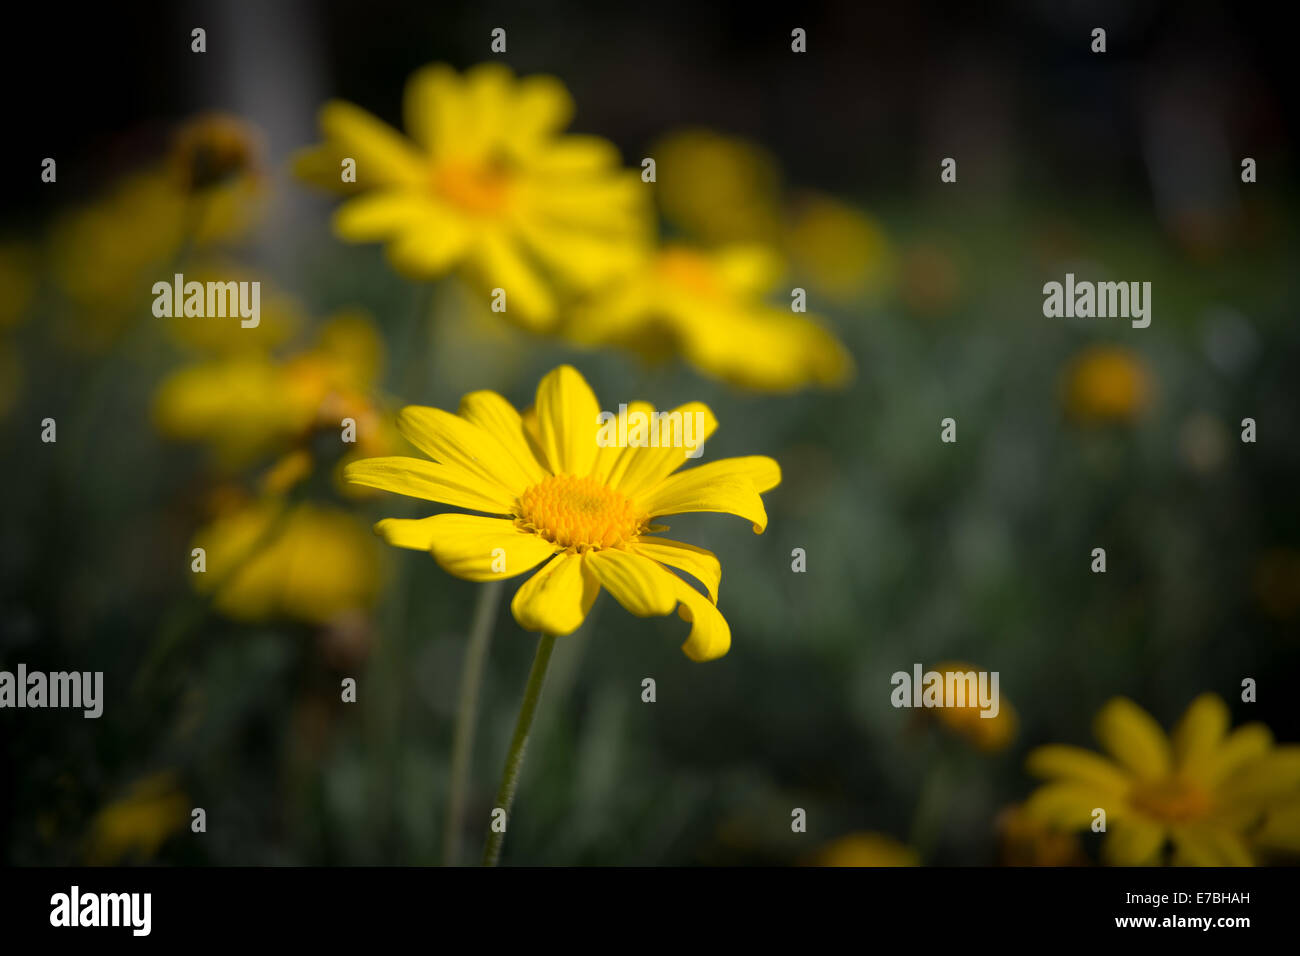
(480, 189)
(690, 270)
(1172, 800)
(578, 513)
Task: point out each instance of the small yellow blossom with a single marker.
(486, 183)
(1204, 790)
(1024, 840)
(867, 849)
(843, 252)
(139, 823)
(1106, 384)
(710, 307)
(246, 405)
(989, 734)
(550, 494)
(719, 189)
(306, 562)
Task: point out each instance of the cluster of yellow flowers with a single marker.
(485, 183)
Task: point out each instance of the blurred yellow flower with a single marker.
(559, 498)
(139, 823)
(1024, 840)
(107, 255)
(1204, 790)
(1106, 383)
(719, 189)
(486, 182)
(984, 733)
(271, 559)
(214, 148)
(866, 849)
(246, 405)
(843, 252)
(710, 307)
(216, 162)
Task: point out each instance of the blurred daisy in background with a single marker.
(1204, 791)
(485, 183)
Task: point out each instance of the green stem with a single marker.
(471, 679)
(515, 757)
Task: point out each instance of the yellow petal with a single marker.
(381, 151)
(418, 478)
(576, 154)
(557, 598)
(498, 417)
(380, 214)
(499, 263)
(542, 107)
(1133, 843)
(488, 101)
(1245, 744)
(433, 108)
(1131, 736)
(1268, 779)
(1068, 806)
(612, 458)
(1209, 846)
(700, 564)
(430, 248)
(1199, 734)
(641, 468)
(710, 636)
(1058, 761)
(639, 584)
(452, 440)
(566, 421)
(469, 546)
(726, 486)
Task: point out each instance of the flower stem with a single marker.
(471, 679)
(515, 757)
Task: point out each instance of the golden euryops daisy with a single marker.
(487, 183)
(1204, 790)
(709, 305)
(550, 494)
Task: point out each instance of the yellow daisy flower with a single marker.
(1106, 383)
(1204, 790)
(709, 305)
(308, 563)
(140, 823)
(1024, 840)
(250, 404)
(485, 182)
(551, 495)
(866, 849)
(989, 734)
